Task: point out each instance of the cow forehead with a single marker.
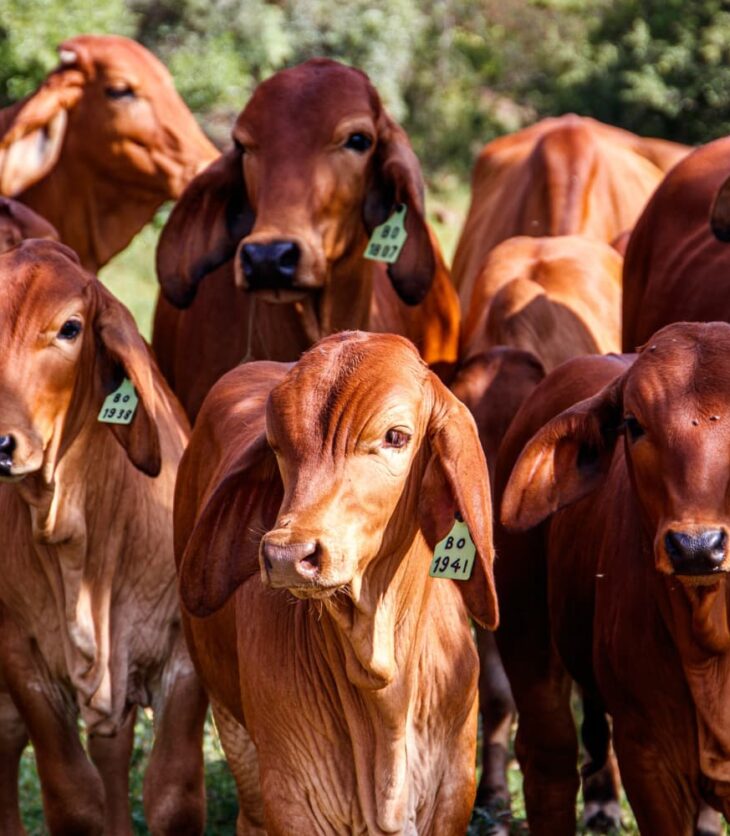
(687, 363)
(314, 96)
(115, 55)
(340, 387)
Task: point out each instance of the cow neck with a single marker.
(97, 216)
(380, 633)
(698, 623)
(68, 518)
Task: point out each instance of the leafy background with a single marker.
(456, 73)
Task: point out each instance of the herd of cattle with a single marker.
(278, 560)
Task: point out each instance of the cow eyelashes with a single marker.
(396, 439)
(116, 93)
(69, 330)
(633, 428)
(358, 142)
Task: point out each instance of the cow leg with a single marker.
(660, 796)
(601, 784)
(174, 787)
(243, 762)
(111, 756)
(497, 710)
(13, 739)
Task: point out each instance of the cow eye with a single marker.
(120, 92)
(358, 142)
(69, 330)
(396, 438)
(633, 428)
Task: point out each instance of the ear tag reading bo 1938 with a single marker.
(388, 239)
(120, 406)
(454, 556)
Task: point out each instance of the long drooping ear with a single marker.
(396, 180)
(204, 228)
(456, 481)
(32, 132)
(121, 352)
(565, 460)
(18, 222)
(720, 213)
(222, 551)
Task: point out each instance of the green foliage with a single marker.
(30, 30)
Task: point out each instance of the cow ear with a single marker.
(720, 213)
(397, 180)
(222, 551)
(35, 129)
(565, 460)
(456, 482)
(18, 222)
(204, 229)
(123, 353)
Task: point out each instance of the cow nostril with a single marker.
(7, 444)
(288, 257)
(715, 540)
(310, 562)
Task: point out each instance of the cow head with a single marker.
(112, 106)
(370, 448)
(66, 344)
(18, 222)
(317, 164)
(672, 406)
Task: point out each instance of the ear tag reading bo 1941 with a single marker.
(388, 239)
(120, 406)
(454, 556)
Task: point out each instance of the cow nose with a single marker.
(696, 553)
(270, 266)
(291, 564)
(7, 446)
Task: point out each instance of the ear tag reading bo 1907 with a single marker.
(120, 406)
(388, 239)
(454, 556)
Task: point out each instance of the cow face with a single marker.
(317, 164)
(112, 106)
(673, 407)
(66, 343)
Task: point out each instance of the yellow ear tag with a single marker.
(120, 406)
(454, 556)
(388, 239)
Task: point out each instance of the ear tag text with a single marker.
(454, 556)
(120, 406)
(387, 240)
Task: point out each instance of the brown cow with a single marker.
(561, 176)
(624, 589)
(675, 268)
(353, 670)
(18, 222)
(89, 622)
(101, 144)
(536, 303)
(285, 216)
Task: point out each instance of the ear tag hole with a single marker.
(388, 239)
(454, 556)
(120, 406)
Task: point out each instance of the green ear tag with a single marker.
(388, 239)
(454, 556)
(120, 406)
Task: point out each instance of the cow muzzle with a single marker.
(290, 565)
(701, 551)
(270, 266)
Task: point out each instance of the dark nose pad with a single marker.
(7, 446)
(291, 563)
(698, 553)
(271, 266)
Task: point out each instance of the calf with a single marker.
(89, 622)
(264, 254)
(306, 511)
(101, 144)
(625, 588)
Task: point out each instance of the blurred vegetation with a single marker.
(455, 72)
